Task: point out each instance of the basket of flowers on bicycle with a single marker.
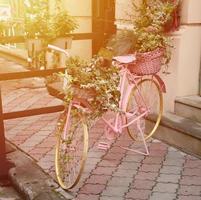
(148, 62)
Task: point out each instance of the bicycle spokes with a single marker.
(146, 97)
(71, 150)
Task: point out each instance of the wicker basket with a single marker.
(80, 93)
(147, 63)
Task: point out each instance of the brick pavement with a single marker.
(166, 174)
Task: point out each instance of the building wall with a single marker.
(82, 12)
(185, 62)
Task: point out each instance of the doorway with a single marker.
(103, 18)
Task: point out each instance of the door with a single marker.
(103, 15)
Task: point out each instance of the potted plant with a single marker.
(36, 28)
(60, 24)
(150, 41)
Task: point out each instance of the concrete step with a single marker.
(189, 107)
(180, 132)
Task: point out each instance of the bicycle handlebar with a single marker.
(55, 48)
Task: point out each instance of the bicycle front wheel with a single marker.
(71, 148)
(146, 96)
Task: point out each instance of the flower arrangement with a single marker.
(148, 33)
(99, 79)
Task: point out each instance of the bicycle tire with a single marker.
(139, 95)
(71, 150)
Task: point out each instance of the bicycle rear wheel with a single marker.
(71, 148)
(145, 96)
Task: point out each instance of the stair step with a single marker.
(180, 132)
(189, 107)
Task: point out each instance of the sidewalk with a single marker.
(166, 174)
(9, 193)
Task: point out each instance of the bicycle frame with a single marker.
(125, 92)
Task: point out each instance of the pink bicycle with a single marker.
(141, 106)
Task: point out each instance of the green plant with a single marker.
(62, 24)
(153, 15)
(99, 76)
(148, 33)
(149, 26)
(36, 26)
(36, 18)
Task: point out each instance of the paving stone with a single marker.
(153, 160)
(146, 175)
(89, 168)
(156, 153)
(98, 179)
(133, 158)
(47, 158)
(124, 143)
(109, 163)
(92, 161)
(143, 184)
(171, 170)
(193, 163)
(124, 173)
(158, 146)
(103, 170)
(192, 172)
(47, 144)
(181, 197)
(175, 154)
(87, 197)
(92, 189)
(36, 156)
(189, 190)
(110, 198)
(168, 178)
(95, 154)
(165, 187)
(115, 191)
(39, 151)
(172, 149)
(190, 180)
(138, 194)
(129, 165)
(113, 156)
(174, 162)
(120, 181)
(150, 168)
(45, 165)
(162, 196)
(117, 150)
